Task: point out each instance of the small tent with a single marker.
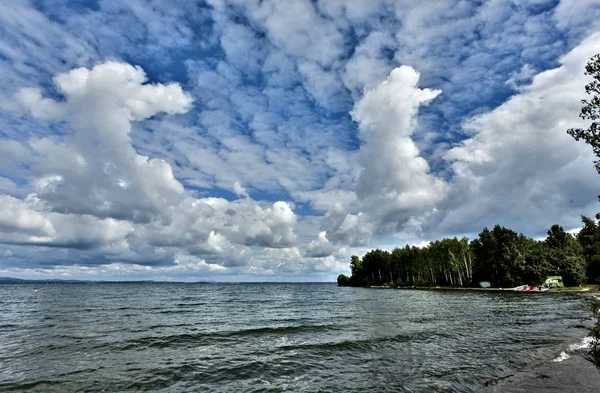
(554, 282)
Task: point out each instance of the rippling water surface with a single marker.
(286, 337)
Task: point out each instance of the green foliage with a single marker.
(595, 334)
(589, 239)
(589, 236)
(377, 268)
(445, 262)
(565, 256)
(537, 265)
(343, 280)
(500, 256)
(357, 278)
(591, 110)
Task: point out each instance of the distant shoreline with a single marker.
(10, 280)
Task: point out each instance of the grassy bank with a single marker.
(581, 288)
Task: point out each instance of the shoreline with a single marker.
(595, 290)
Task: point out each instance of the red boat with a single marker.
(529, 288)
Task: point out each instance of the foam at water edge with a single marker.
(563, 356)
(583, 344)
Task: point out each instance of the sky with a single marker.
(246, 140)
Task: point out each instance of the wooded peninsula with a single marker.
(499, 256)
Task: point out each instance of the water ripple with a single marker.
(277, 337)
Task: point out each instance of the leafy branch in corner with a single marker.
(591, 110)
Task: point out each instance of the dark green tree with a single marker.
(376, 267)
(356, 267)
(499, 257)
(537, 266)
(558, 238)
(343, 280)
(565, 256)
(589, 239)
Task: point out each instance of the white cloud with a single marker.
(523, 76)
(320, 247)
(99, 171)
(15, 157)
(326, 87)
(244, 222)
(15, 215)
(366, 68)
(93, 190)
(580, 16)
(299, 30)
(40, 107)
(520, 167)
(128, 190)
(239, 190)
(395, 182)
(347, 228)
(22, 222)
(189, 263)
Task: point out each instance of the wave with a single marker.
(366, 344)
(585, 343)
(206, 338)
(285, 330)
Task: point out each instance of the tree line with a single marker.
(500, 256)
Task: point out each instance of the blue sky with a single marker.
(265, 140)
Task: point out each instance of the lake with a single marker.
(289, 337)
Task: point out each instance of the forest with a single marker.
(500, 256)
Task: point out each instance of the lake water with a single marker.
(288, 337)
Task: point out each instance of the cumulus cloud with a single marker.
(395, 182)
(22, 223)
(95, 169)
(247, 222)
(239, 190)
(320, 247)
(94, 190)
(15, 215)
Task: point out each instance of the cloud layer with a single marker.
(251, 140)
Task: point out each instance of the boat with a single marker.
(530, 288)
